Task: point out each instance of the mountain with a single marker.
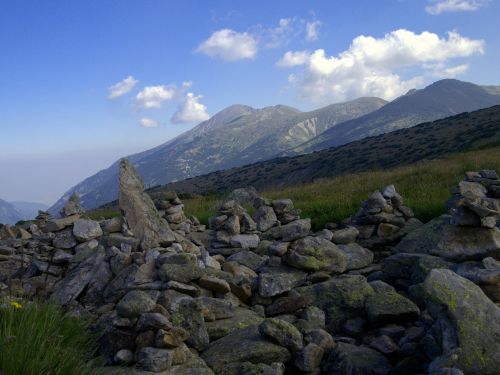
(466, 131)
(29, 210)
(8, 213)
(441, 99)
(236, 136)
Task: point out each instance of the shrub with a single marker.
(40, 339)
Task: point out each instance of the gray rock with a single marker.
(357, 257)
(292, 231)
(245, 241)
(72, 207)
(140, 212)
(282, 332)
(124, 357)
(64, 239)
(277, 280)
(248, 259)
(215, 284)
(309, 358)
(191, 319)
(347, 359)
(154, 359)
(86, 230)
(243, 345)
(153, 321)
(345, 236)
(135, 303)
(316, 254)
(265, 218)
(475, 318)
(242, 318)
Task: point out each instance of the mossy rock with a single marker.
(475, 317)
(242, 318)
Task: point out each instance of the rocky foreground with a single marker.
(380, 293)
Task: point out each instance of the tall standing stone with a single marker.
(139, 210)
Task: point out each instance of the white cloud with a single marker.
(154, 96)
(229, 45)
(147, 122)
(122, 87)
(293, 58)
(312, 31)
(190, 110)
(281, 35)
(442, 6)
(373, 66)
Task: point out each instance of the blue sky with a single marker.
(85, 82)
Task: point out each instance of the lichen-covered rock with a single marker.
(357, 257)
(290, 232)
(309, 358)
(277, 280)
(135, 303)
(315, 254)
(388, 306)
(282, 332)
(475, 318)
(242, 318)
(438, 237)
(140, 211)
(243, 345)
(347, 359)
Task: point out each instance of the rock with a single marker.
(283, 333)
(242, 318)
(86, 230)
(216, 308)
(64, 239)
(72, 207)
(172, 338)
(476, 320)
(135, 303)
(154, 359)
(357, 257)
(190, 317)
(243, 345)
(321, 338)
(153, 321)
(215, 284)
(384, 344)
(180, 267)
(232, 226)
(387, 230)
(113, 225)
(292, 231)
(309, 358)
(315, 254)
(287, 305)
(450, 242)
(388, 306)
(277, 280)
(347, 359)
(248, 259)
(265, 218)
(245, 241)
(140, 212)
(345, 236)
(124, 357)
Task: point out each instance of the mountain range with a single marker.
(12, 212)
(241, 135)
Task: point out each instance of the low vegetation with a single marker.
(425, 187)
(39, 339)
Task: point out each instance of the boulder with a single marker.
(243, 345)
(475, 317)
(135, 303)
(265, 218)
(347, 359)
(290, 232)
(140, 212)
(282, 332)
(357, 257)
(72, 206)
(277, 280)
(316, 254)
(242, 318)
(345, 236)
(86, 230)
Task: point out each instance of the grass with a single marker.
(39, 339)
(425, 186)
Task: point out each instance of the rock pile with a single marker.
(268, 296)
(476, 200)
(383, 219)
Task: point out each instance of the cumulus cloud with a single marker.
(293, 58)
(373, 66)
(442, 6)
(154, 96)
(147, 122)
(122, 87)
(190, 110)
(229, 45)
(312, 31)
(280, 35)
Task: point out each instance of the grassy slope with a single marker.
(425, 187)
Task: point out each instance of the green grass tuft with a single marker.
(39, 339)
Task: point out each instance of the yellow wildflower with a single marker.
(16, 305)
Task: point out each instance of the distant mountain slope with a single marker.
(8, 214)
(441, 99)
(236, 136)
(29, 210)
(422, 142)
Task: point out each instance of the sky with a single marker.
(83, 83)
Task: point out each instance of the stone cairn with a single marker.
(476, 200)
(263, 293)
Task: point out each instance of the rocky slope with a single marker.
(29, 210)
(236, 136)
(406, 146)
(379, 293)
(441, 99)
(8, 213)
